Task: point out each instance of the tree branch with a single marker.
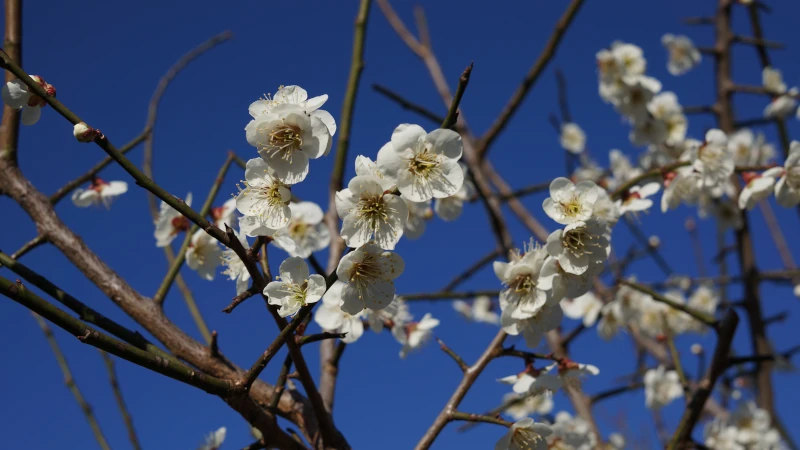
(123, 409)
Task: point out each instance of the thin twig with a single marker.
(528, 82)
(452, 114)
(406, 104)
(471, 270)
(448, 295)
(123, 408)
(28, 246)
(471, 417)
(88, 335)
(461, 364)
(69, 380)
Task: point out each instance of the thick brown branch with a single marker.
(12, 43)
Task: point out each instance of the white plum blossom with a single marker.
(170, 223)
(665, 108)
(636, 198)
(330, 316)
(214, 439)
(758, 187)
(295, 95)
(414, 335)
(525, 434)
(418, 215)
(648, 130)
(573, 432)
(526, 405)
(562, 284)
(296, 287)
(225, 214)
(424, 165)
(661, 386)
(305, 233)
(639, 90)
(99, 192)
(579, 246)
(396, 314)
(772, 80)
(586, 308)
(368, 212)
(704, 299)
(787, 189)
(621, 168)
(264, 202)
(522, 298)
(534, 328)
(571, 372)
(368, 274)
(718, 435)
(84, 133)
(753, 427)
(713, 160)
(520, 383)
(287, 137)
(611, 319)
(782, 105)
(204, 255)
(17, 95)
(630, 57)
(569, 203)
(572, 138)
(234, 266)
(450, 208)
(481, 310)
(683, 187)
(683, 55)
(366, 166)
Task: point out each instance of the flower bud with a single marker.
(83, 132)
(696, 349)
(654, 241)
(797, 290)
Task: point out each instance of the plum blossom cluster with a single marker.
(538, 278)
(746, 428)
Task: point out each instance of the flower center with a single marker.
(298, 229)
(678, 52)
(373, 210)
(572, 208)
(297, 292)
(286, 139)
(424, 164)
(364, 273)
(525, 438)
(578, 241)
(522, 284)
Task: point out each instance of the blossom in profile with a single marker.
(234, 266)
(681, 186)
(225, 214)
(424, 165)
(757, 187)
(170, 223)
(99, 192)
(414, 335)
(204, 255)
(572, 138)
(787, 189)
(683, 55)
(295, 287)
(214, 439)
(480, 310)
(18, 95)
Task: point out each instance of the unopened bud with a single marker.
(736, 394)
(696, 349)
(654, 241)
(83, 132)
(797, 290)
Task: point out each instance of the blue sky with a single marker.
(105, 59)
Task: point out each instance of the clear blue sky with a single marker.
(105, 59)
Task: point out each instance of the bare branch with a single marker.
(461, 364)
(12, 43)
(123, 408)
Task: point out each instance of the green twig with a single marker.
(123, 408)
(70, 382)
